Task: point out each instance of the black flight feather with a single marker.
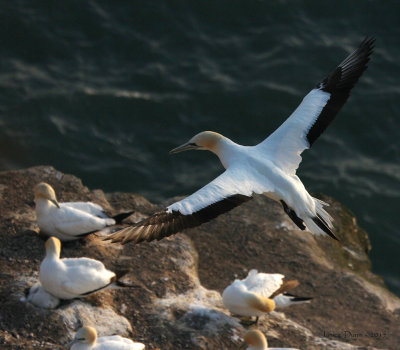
(339, 84)
(164, 224)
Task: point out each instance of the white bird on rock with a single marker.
(269, 167)
(257, 341)
(71, 278)
(70, 220)
(86, 339)
(260, 293)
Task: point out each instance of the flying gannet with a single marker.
(70, 220)
(260, 293)
(269, 167)
(86, 339)
(257, 341)
(71, 278)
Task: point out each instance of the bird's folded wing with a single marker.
(115, 339)
(80, 288)
(316, 111)
(232, 188)
(76, 222)
(82, 280)
(86, 262)
(88, 207)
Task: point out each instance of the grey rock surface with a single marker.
(175, 298)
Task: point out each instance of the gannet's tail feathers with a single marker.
(109, 222)
(287, 299)
(318, 226)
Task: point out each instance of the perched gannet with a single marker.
(257, 341)
(269, 167)
(260, 293)
(86, 339)
(70, 220)
(73, 277)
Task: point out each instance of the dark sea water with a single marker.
(104, 89)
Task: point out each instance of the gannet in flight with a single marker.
(71, 278)
(269, 167)
(70, 220)
(86, 339)
(257, 341)
(260, 293)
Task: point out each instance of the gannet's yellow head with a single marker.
(53, 246)
(206, 140)
(86, 335)
(45, 191)
(256, 340)
(260, 303)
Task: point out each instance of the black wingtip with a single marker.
(347, 73)
(120, 274)
(299, 299)
(339, 83)
(121, 216)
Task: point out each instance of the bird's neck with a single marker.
(227, 151)
(42, 205)
(52, 255)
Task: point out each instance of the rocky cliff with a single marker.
(175, 301)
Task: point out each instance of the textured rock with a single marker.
(104, 319)
(175, 302)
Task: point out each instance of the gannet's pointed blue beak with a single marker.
(185, 147)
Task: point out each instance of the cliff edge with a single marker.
(175, 298)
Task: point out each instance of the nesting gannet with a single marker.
(73, 277)
(257, 341)
(260, 293)
(86, 339)
(269, 167)
(70, 220)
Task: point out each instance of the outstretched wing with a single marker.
(316, 111)
(232, 188)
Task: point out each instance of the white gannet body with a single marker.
(73, 277)
(239, 297)
(86, 339)
(269, 167)
(257, 341)
(70, 220)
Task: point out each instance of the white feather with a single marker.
(265, 284)
(69, 222)
(288, 141)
